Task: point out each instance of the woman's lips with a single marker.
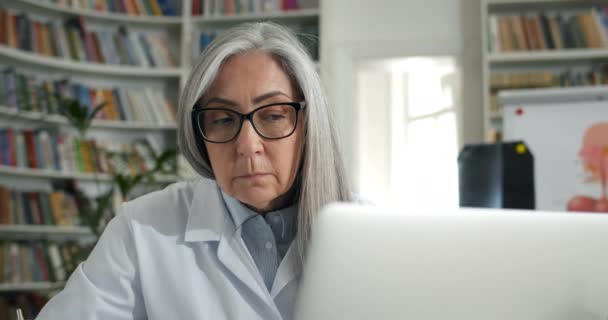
(253, 176)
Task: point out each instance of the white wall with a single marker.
(374, 102)
(355, 30)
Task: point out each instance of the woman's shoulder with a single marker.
(173, 200)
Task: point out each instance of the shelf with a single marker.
(109, 16)
(505, 5)
(295, 15)
(37, 231)
(87, 67)
(97, 124)
(52, 174)
(553, 95)
(31, 286)
(548, 55)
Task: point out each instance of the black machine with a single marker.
(499, 175)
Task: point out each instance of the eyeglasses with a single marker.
(271, 121)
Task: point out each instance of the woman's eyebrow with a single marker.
(256, 100)
(269, 95)
(222, 101)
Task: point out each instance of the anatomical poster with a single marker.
(569, 142)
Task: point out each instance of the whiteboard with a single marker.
(553, 123)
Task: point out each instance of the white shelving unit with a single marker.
(91, 68)
(31, 232)
(522, 60)
(96, 124)
(291, 16)
(548, 55)
(52, 174)
(183, 26)
(31, 286)
(155, 20)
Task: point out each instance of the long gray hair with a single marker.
(322, 178)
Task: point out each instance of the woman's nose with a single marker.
(248, 142)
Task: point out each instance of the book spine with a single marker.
(3, 23)
(147, 50)
(30, 149)
(121, 107)
(12, 152)
(3, 147)
(38, 154)
(5, 205)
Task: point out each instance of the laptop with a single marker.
(376, 263)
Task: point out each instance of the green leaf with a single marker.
(126, 183)
(164, 157)
(103, 203)
(97, 109)
(78, 115)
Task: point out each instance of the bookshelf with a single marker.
(539, 44)
(182, 33)
(305, 21)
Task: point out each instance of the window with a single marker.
(409, 134)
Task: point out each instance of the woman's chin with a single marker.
(258, 201)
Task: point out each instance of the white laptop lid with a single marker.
(371, 263)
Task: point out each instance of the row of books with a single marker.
(21, 92)
(582, 29)
(37, 261)
(543, 79)
(232, 7)
(29, 303)
(130, 7)
(307, 34)
(64, 152)
(56, 208)
(71, 40)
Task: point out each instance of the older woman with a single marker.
(253, 122)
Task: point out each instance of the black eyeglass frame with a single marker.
(197, 109)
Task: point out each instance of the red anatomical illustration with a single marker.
(594, 154)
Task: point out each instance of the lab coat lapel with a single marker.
(289, 270)
(209, 220)
(206, 213)
(233, 254)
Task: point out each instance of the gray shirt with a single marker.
(266, 236)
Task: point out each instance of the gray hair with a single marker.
(323, 178)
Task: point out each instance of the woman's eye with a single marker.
(223, 121)
(274, 117)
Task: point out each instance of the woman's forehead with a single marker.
(249, 78)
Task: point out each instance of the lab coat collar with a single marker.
(206, 214)
(209, 220)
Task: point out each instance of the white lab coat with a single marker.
(174, 254)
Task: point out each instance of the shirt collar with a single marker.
(241, 213)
